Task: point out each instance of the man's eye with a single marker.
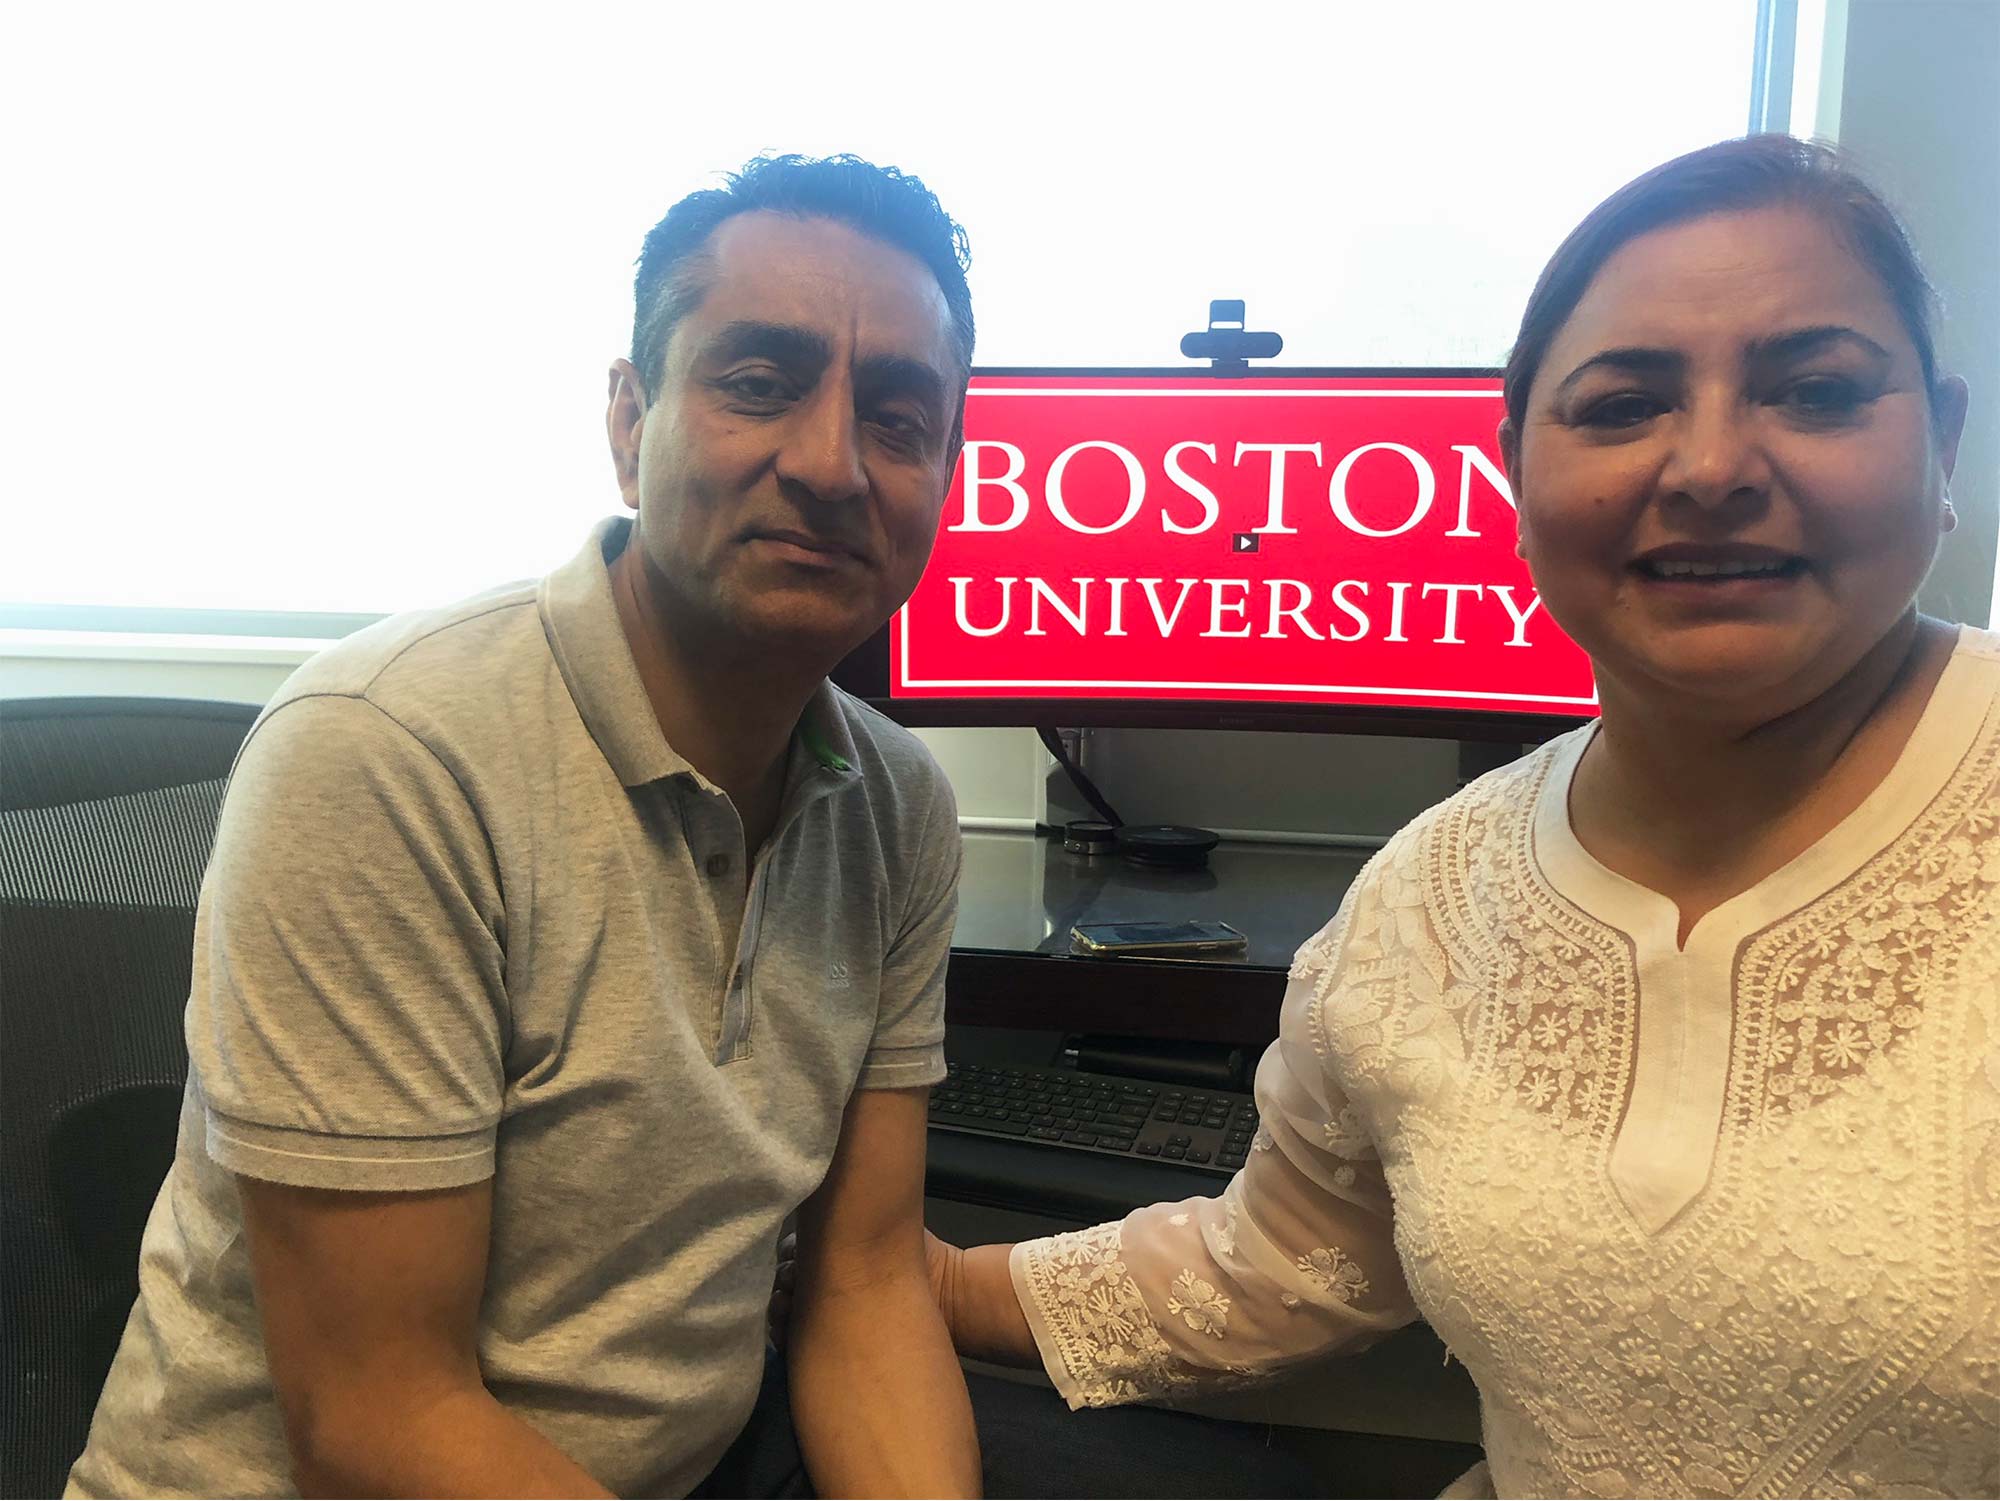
(1626, 409)
(761, 387)
(906, 427)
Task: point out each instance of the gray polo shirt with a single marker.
(470, 916)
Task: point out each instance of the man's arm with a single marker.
(878, 1399)
(370, 1307)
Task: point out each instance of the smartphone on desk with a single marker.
(1156, 938)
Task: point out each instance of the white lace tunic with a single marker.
(1721, 1220)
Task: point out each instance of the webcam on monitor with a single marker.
(1227, 344)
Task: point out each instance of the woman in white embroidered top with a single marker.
(1657, 1070)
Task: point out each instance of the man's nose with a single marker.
(822, 452)
(1716, 454)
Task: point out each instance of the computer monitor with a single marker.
(1318, 549)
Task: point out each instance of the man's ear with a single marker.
(1510, 460)
(954, 445)
(624, 425)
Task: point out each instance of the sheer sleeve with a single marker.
(1293, 1262)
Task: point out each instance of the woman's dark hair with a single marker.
(1761, 171)
(893, 207)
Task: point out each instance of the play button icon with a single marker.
(1243, 542)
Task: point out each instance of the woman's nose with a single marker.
(1716, 455)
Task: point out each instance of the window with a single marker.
(318, 301)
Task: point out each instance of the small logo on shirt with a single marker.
(836, 976)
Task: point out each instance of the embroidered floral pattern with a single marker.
(1333, 1274)
(1815, 1320)
(1097, 1317)
(1719, 1355)
(1201, 1307)
(1346, 1136)
(1844, 998)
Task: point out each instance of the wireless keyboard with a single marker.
(1206, 1129)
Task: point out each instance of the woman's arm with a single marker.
(1293, 1261)
(976, 1296)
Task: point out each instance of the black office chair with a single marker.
(107, 813)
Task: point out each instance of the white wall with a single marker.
(36, 668)
(997, 774)
(1921, 113)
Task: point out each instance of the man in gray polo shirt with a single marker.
(559, 944)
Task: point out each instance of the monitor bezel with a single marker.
(865, 671)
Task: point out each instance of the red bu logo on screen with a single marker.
(1340, 540)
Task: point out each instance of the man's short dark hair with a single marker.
(882, 202)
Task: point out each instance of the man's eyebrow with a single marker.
(793, 344)
(779, 341)
(1800, 342)
(899, 374)
(1631, 359)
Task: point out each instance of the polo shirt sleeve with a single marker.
(345, 1028)
(907, 1050)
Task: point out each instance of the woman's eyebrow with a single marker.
(1800, 342)
(1629, 359)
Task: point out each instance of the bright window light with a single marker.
(311, 306)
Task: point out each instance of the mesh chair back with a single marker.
(107, 813)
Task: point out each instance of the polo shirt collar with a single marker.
(580, 619)
(825, 734)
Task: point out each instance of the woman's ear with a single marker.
(1510, 460)
(1948, 405)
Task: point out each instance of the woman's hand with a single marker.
(944, 1263)
(778, 1317)
(975, 1298)
(974, 1293)
(941, 1263)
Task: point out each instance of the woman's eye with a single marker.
(1626, 409)
(1822, 396)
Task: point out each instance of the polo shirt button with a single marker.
(718, 865)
